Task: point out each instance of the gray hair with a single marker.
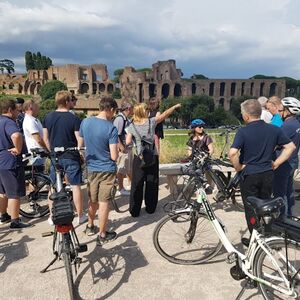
(252, 108)
(262, 101)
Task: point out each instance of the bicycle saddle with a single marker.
(266, 207)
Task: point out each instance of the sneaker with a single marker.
(123, 192)
(109, 236)
(5, 218)
(90, 230)
(17, 225)
(82, 219)
(50, 221)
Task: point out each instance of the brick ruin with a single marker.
(163, 80)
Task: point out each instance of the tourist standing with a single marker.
(101, 141)
(12, 181)
(265, 114)
(256, 143)
(124, 162)
(148, 176)
(283, 184)
(273, 105)
(61, 129)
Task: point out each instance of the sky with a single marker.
(220, 39)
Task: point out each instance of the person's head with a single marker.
(109, 106)
(32, 108)
(140, 112)
(153, 104)
(197, 127)
(19, 104)
(63, 99)
(8, 108)
(262, 101)
(251, 110)
(126, 108)
(273, 105)
(290, 106)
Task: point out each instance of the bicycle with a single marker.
(65, 244)
(272, 261)
(116, 203)
(35, 203)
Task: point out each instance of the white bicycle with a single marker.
(193, 235)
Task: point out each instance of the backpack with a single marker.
(123, 134)
(147, 153)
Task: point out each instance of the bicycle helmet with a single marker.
(197, 122)
(292, 104)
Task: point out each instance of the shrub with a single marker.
(50, 88)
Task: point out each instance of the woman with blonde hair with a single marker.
(141, 127)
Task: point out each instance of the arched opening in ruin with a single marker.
(211, 89)
(152, 90)
(230, 103)
(110, 88)
(177, 90)
(141, 92)
(251, 88)
(203, 91)
(94, 88)
(31, 89)
(261, 89)
(26, 86)
(221, 102)
(222, 88)
(165, 90)
(101, 87)
(20, 89)
(194, 88)
(232, 89)
(45, 75)
(37, 88)
(272, 89)
(84, 88)
(243, 89)
(11, 86)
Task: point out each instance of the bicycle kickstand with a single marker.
(50, 264)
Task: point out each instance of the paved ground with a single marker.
(128, 268)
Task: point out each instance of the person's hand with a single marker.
(178, 105)
(13, 151)
(274, 165)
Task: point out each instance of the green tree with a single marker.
(29, 63)
(34, 60)
(8, 65)
(50, 88)
(117, 74)
(38, 64)
(49, 62)
(144, 70)
(198, 76)
(117, 94)
(236, 106)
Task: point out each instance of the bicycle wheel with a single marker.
(120, 204)
(183, 238)
(35, 203)
(264, 268)
(68, 267)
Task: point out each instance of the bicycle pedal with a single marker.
(231, 258)
(251, 284)
(237, 273)
(82, 248)
(78, 260)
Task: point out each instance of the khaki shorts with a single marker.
(100, 185)
(124, 162)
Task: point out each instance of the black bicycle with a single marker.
(65, 244)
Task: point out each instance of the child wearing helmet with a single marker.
(283, 175)
(199, 140)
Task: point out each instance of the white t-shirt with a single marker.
(266, 116)
(32, 125)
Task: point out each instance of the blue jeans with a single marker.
(71, 168)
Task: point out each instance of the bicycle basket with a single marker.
(62, 209)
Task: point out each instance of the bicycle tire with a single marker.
(278, 250)
(116, 203)
(68, 267)
(205, 252)
(35, 203)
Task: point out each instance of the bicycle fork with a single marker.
(189, 236)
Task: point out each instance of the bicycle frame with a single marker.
(257, 242)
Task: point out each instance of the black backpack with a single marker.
(147, 153)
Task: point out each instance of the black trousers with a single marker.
(141, 177)
(258, 185)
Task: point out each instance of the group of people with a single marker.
(113, 148)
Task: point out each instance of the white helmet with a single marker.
(292, 104)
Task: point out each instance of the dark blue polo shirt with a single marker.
(7, 127)
(257, 142)
(291, 127)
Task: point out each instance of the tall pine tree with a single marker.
(29, 61)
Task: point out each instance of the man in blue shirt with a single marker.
(284, 175)
(101, 140)
(12, 182)
(252, 152)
